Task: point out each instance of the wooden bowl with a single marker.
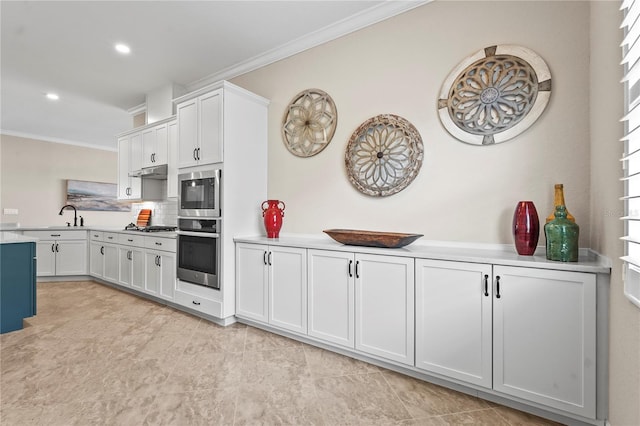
(355, 237)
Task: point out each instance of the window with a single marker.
(631, 158)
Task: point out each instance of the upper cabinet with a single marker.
(200, 130)
(155, 146)
(147, 146)
(129, 160)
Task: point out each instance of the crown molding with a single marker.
(57, 140)
(366, 18)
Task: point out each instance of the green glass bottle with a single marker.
(562, 237)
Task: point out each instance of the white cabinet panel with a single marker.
(172, 160)
(46, 258)
(453, 319)
(111, 267)
(384, 289)
(71, 257)
(96, 259)
(187, 113)
(252, 282)
(544, 337)
(331, 296)
(288, 288)
(210, 126)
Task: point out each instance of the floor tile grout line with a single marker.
(397, 396)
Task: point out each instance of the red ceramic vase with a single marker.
(273, 214)
(526, 228)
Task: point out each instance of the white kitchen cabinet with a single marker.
(544, 337)
(131, 261)
(454, 319)
(200, 130)
(155, 146)
(111, 266)
(160, 274)
(384, 296)
(96, 259)
(272, 285)
(331, 289)
(60, 253)
(129, 160)
(160, 267)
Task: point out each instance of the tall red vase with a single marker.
(273, 214)
(526, 228)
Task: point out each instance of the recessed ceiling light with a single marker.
(123, 48)
(52, 96)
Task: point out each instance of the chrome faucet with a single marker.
(75, 213)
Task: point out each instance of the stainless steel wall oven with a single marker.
(199, 251)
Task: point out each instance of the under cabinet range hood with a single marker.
(153, 172)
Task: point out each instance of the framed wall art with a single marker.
(98, 196)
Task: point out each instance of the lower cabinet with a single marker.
(454, 320)
(524, 333)
(17, 284)
(544, 337)
(363, 302)
(271, 285)
(131, 261)
(60, 253)
(143, 263)
(160, 274)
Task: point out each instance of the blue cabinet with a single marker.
(17, 284)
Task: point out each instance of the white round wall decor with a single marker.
(494, 94)
(309, 123)
(384, 155)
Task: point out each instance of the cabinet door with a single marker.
(252, 282)
(148, 147)
(288, 288)
(135, 164)
(46, 258)
(153, 273)
(71, 257)
(172, 160)
(544, 331)
(384, 306)
(137, 268)
(123, 168)
(187, 114)
(167, 276)
(210, 127)
(162, 143)
(126, 267)
(453, 319)
(331, 296)
(111, 266)
(96, 257)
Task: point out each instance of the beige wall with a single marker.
(463, 192)
(33, 179)
(606, 208)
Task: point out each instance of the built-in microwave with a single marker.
(199, 194)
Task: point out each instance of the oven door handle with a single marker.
(199, 234)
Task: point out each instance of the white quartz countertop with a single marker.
(164, 234)
(496, 254)
(12, 238)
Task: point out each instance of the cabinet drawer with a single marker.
(198, 303)
(96, 235)
(157, 243)
(111, 237)
(131, 240)
(57, 235)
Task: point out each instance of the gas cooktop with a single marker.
(155, 228)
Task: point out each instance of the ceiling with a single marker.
(67, 47)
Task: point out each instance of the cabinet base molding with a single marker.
(66, 278)
(220, 321)
(449, 383)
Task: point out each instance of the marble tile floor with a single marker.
(97, 355)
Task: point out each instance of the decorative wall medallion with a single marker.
(309, 123)
(494, 94)
(384, 155)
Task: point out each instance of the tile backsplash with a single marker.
(162, 212)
